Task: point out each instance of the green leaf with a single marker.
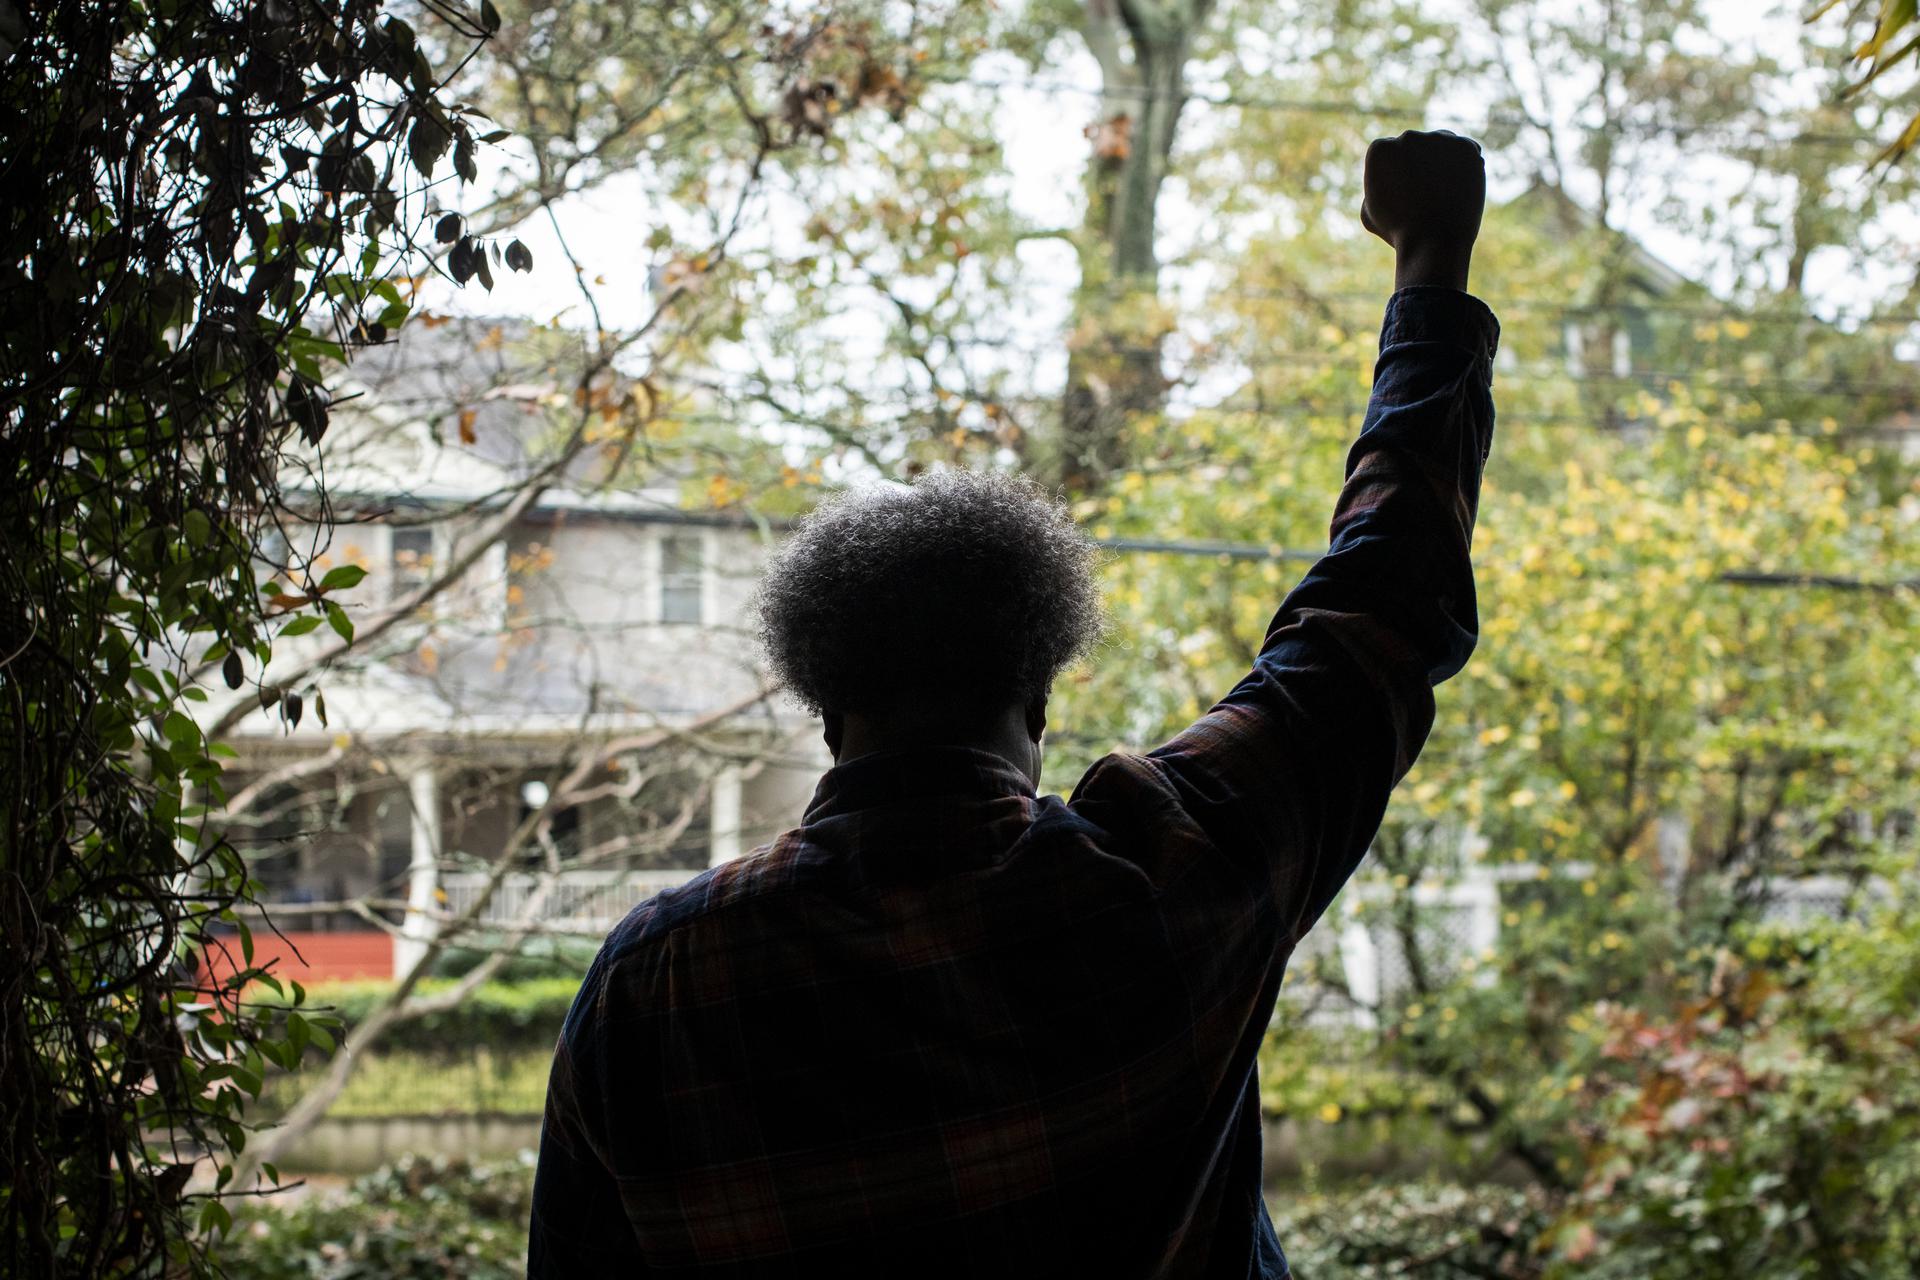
(427, 141)
(248, 1080)
(301, 625)
(322, 1037)
(460, 260)
(341, 577)
(337, 619)
(215, 1217)
(197, 528)
(181, 730)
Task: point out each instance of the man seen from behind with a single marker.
(949, 1026)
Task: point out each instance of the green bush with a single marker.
(532, 958)
(1426, 1230)
(438, 1218)
(474, 1081)
(503, 1016)
(1770, 1127)
(414, 1220)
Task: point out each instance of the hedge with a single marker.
(420, 1219)
(426, 1219)
(503, 1016)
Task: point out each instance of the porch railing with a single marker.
(582, 901)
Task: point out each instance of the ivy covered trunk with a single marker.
(1114, 373)
(187, 187)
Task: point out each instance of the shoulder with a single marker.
(782, 866)
(1124, 781)
(641, 946)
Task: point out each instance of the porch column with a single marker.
(723, 816)
(1361, 961)
(423, 870)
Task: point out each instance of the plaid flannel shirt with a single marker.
(949, 1027)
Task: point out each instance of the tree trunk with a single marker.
(1113, 368)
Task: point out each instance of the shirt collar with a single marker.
(883, 778)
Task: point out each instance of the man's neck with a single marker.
(1005, 736)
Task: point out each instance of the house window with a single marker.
(411, 560)
(1581, 341)
(681, 579)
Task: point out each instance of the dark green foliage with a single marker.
(1430, 1231)
(549, 957)
(418, 1218)
(205, 201)
(503, 1016)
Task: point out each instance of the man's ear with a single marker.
(834, 730)
(1037, 717)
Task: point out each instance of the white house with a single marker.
(601, 620)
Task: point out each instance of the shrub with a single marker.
(1420, 1230)
(532, 957)
(477, 1081)
(1770, 1127)
(504, 1016)
(417, 1218)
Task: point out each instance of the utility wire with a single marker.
(1220, 96)
(1717, 311)
(1732, 577)
(1259, 407)
(1275, 411)
(1698, 379)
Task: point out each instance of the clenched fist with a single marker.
(1424, 195)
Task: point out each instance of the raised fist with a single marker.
(1424, 196)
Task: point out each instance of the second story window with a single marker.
(410, 560)
(681, 578)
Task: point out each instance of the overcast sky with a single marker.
(1046, 151)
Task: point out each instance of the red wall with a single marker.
(363, 954)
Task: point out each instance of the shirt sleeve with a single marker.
(1294, 766)
(579, 1226)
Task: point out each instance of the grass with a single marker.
(477, 1081)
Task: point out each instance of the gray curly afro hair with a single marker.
(959, 594)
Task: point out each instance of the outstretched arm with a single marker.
(1295, 765)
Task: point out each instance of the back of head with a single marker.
(951, 598)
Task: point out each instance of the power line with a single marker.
(1291, 409)
(1223, 97)
(1717, 311)
(1732, 577)
(1545, 372)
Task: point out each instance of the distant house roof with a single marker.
(460, 409)
(1647, 270)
